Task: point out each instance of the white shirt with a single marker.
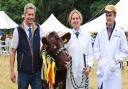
(15, 39)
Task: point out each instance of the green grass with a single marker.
(5, 82)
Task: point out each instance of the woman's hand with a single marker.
(87, 71)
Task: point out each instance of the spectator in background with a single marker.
(1, 33)
(3, 42)
(7, 43)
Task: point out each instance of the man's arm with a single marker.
(12, 61)
(123, 53)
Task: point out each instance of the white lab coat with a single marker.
(108, 53)
(77, 47)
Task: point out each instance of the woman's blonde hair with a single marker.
(72, 12)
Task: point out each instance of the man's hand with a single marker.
(13, 77)
(12, 60)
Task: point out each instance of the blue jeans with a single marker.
(33, 79)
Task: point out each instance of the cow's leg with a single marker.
(61, 79)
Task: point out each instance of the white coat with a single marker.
(77, 48)
(109, 53)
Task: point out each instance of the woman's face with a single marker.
(75, 21)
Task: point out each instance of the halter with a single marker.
(48, 55)
(60, 51)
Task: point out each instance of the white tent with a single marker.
(6, 22)
(52, 24)
(122, 14)
(121, 19)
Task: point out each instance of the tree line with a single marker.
(90, 9)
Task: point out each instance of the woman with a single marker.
(82, 54)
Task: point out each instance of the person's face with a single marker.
(29, 16)
(75, 21)
(110, 17)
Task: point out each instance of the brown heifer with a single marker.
(53, 46)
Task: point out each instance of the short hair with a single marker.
(29, 6)
(72, 12)
(110, 8)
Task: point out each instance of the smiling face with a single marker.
(75, 21)
(29, 16)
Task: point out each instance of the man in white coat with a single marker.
(110, 48)
(81, 51)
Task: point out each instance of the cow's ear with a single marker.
(44, 41)
(66, 37)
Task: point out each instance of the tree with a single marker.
(97, 7)
(90, 9)
(14, 8)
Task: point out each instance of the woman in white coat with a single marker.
(110, 48)
(81, 51)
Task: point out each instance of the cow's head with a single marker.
(54, 46)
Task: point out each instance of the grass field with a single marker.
(5, 82)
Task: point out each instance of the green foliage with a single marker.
(90, 9)
(97, 7)
(14, 8)
(62, 8)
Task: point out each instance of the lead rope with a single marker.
(82, 84)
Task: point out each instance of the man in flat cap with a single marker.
(110, 48)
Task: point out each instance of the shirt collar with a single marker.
(79, 30)
(112, 27)
(26, 27)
